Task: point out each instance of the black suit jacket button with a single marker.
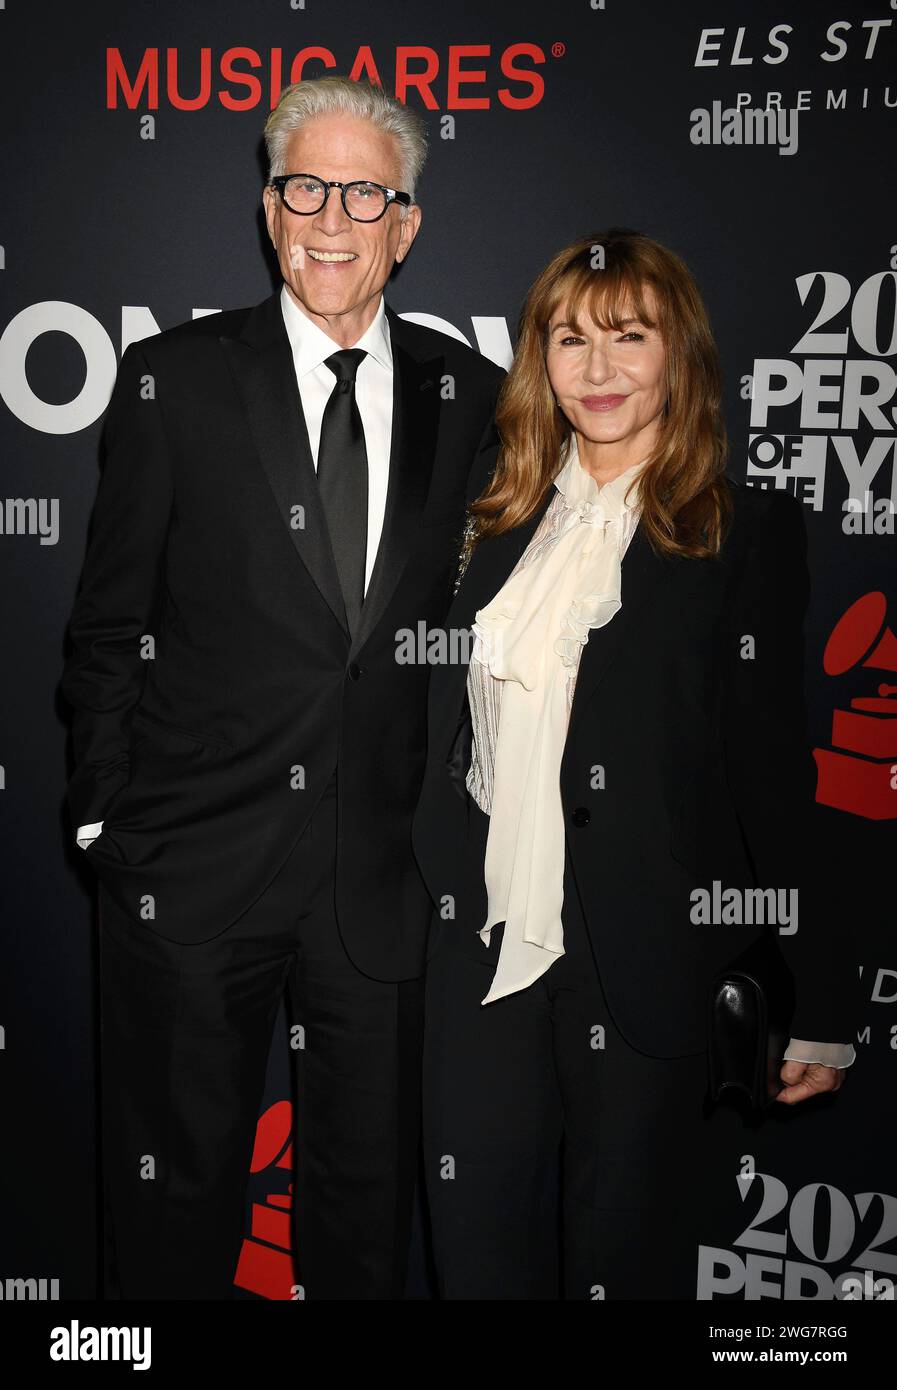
(354, 671)
(581, 816)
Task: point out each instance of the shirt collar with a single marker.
(311, 345)
(577, 484)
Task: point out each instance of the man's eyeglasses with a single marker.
(363, 201)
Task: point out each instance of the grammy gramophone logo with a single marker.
(859, 772)
(265, 1266)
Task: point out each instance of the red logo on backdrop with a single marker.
(859, 772)
(466, 77)
(265, 1265)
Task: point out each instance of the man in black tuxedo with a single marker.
(283, 493)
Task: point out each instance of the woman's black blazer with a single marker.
(686, 763)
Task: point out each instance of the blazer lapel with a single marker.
(642, 572)
(491, 564)
(415, 426)
(261, 363)
(643, 575)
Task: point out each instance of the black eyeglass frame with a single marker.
(393, 195)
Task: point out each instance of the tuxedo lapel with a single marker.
(261, 363)
(415, 426)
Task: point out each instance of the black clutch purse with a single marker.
(749, 1023)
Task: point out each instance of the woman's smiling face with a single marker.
(609, 382)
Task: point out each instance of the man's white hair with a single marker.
(326, 96)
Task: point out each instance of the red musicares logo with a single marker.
(464, 76)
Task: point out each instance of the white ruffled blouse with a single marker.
(527, 646)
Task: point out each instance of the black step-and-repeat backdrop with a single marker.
(753, 137)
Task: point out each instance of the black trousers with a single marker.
(560, 1162)
(185, 1035)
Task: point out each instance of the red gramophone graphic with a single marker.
(859, 772)
(265, 1266)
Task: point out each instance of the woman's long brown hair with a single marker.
(684, 497)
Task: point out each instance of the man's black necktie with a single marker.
(343, 480)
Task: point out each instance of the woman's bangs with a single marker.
(604, 297)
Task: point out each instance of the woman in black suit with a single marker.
(627, 733)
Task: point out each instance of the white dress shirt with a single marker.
(311, 347)
(373, 392)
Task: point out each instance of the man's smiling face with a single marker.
(335, 268)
